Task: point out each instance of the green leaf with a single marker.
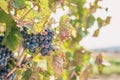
(19, 3)
(26, 75)
(78, 69)
(99, 21)
(4, 5)
(4, 18)
(81, 33)
(12, 33)
(60, 78)
(91, 20)
(68, 55)
(11, 38)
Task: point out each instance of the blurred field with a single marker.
(111, 72)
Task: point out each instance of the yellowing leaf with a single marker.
(4, 5)
(64, 33)
(92, 9)
(65, 28)
(74, 32)
(58, 65)
(86, 73)
(108, 20)
(44, 7)
(37, 58)
(38, 27)
(96, 33)
(64, 20)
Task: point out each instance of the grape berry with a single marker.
(41, 41)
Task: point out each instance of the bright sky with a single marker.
(109, 35)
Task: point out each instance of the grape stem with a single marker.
(18, 63)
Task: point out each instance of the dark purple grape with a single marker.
(51, 48)
(41, 38)
(47, 46)
(44, 51)
(32, 50)
(46, 38)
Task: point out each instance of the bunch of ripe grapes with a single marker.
(5, 55)
(41, 41)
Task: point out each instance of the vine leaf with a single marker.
(12, 33)
(58, 65)
(37, 58)
(5, 18)
(99, 21)
(92, 9)
(19, 3)
(108, 20)
(102, 22)
(43, 64)
(74, 32)
(90, 20)
(64, 33)
(27, 74)
(4, 5)
(11, 37)
(96, 33)
(44, 7)
(86, 73)
(65, 28)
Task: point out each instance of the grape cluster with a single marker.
(4, 71)
(41, 41)
(5, 55)
(45, 42)
(30, 40)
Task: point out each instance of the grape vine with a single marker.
(50, 51)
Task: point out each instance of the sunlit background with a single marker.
(110, 35)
